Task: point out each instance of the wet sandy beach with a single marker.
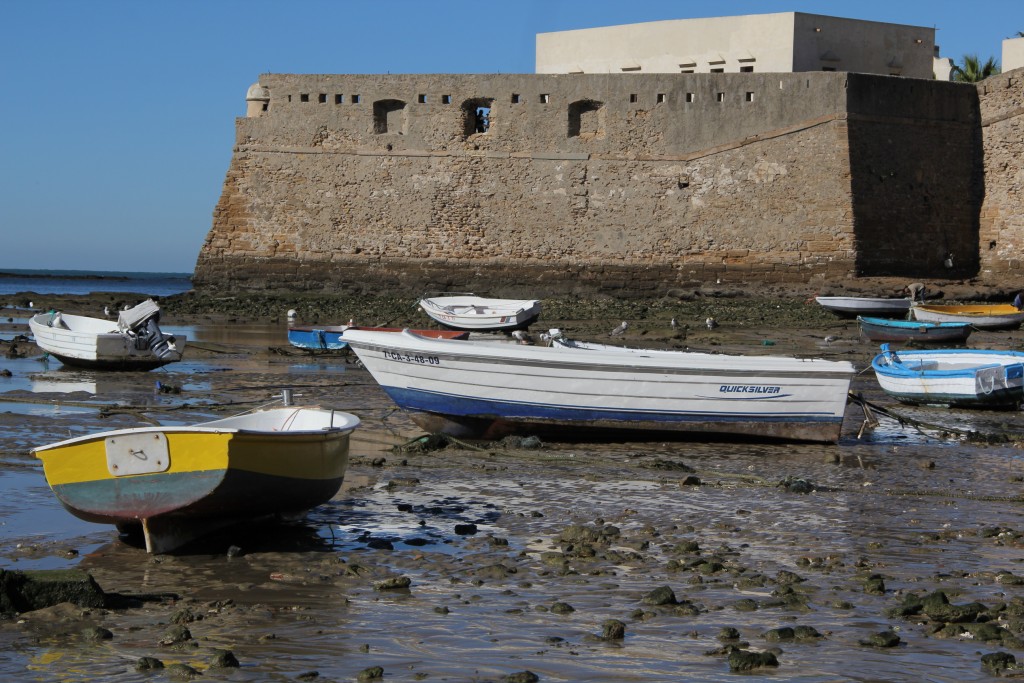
(529, 559)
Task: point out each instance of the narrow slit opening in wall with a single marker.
(746, 69)
(718, 71)
(322, 98)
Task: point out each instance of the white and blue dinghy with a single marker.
(965, 378)
(486, 390)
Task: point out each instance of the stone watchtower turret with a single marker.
(257, 101)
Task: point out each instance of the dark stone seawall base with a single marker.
(412, 278)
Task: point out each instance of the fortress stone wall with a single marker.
(622, 183)
(1002, 214)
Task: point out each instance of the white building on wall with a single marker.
(1013, 54)
(783, 42)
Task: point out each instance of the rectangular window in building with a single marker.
(686, 71)
(446, 99)
(720, 97)
(690, 97)
(544, 98)
(749, 97)
(354, 99)
(322, 98)
(718, 71)
(338, 99)
(304, 97)
(661, 97)
(746, 69)
(515, 98)
(422, 99)
(632, 98)
(828, 68)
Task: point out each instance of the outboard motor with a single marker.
(162, 345)
(142, 322)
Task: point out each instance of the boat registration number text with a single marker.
(412, 358)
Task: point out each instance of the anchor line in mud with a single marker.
(920, 425)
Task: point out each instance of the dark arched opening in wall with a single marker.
(477, 115)
(586, 119)
(389, 116)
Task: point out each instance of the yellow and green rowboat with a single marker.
(180, 483)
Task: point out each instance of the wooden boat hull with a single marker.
(477, 314)
(885, 330)
(194, 479)
(852, 306)
(480, 390)
(965, 378)
(94, 343)
(331, 338)
(985, 317)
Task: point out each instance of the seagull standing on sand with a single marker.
(619, 330)
(711, 323)
(106, 311)
(829, 339)
(673, 324)
(522, 337)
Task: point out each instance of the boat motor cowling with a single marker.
(142, 323)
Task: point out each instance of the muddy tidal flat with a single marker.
(896, 555)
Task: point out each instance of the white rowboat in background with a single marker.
(478, 314)
(133, 342)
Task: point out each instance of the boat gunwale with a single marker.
(202, 428)
(483, 352)
(912, 324)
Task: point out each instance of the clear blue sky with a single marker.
(118, 116)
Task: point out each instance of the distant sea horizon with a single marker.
(81, 282)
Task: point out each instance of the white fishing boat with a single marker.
(968, 378)
(132, 342)
(981, 316)
(479, 314)
(485, 390)
(852, 306)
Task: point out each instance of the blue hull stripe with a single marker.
(463, 406)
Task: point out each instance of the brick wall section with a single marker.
(1002, 213)
(671, 179)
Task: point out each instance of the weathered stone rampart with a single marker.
(1002, 214)
(629, 184)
